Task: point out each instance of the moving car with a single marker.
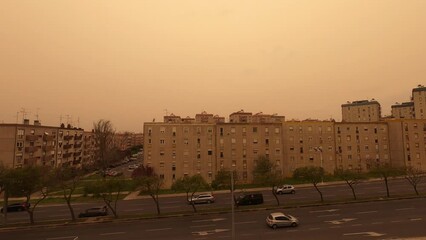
(279, 219)
(17, 207)
(285, 189)
(94, 212)
(250, 199)
(201, 198)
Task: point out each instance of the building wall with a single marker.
(359, 145)
(419, 99)
(7, 145)
(308, 143)
(405, 110)
(361, 111)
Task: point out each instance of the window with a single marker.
(266, 130)
(277, 141)
(233, 140)
(232, 130)
(255, 141)
(277, 130)
(162, 141)
(209, 152)
(255, 129)
(290, 129)
(21, 133)
(162, 130)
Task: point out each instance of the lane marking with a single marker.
(158, 229)
(416, 219)
(328, 210)
(367, 212)
(367, 234)
(403, 209)
(210, 220)
(112, 233)
(376, 223)
(329, 215)
(200, 226)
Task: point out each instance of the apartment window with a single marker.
(32, 131)
(328, 129)
(221, 131)
(221, 154)
(21, 133)
(255, 141)
(290, 129)
(185, 141)
(221, 141)
(267, 141)
(277, 130)
(186, 130)
(162, 141)
(173, 154)
(349, 148)
(161, 153)
(366, 138)
(210, 130)
(309, 129)
(277, 151)
(232, 130)
(244, 141)
(349, 157)
(277, 141)
(366, 147)
(198, 130)
(209, 152)
(174, 131)
(348, 138)
(161, 164)
(244, 130)
(233, 140)
(255, 151)
(266, 130)
(19, 144)
(198, 154)
(162, 129)
(255, 129)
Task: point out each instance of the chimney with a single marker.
(37, 123)
(26, 121)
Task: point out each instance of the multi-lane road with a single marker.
(178, 204)
(398, 219)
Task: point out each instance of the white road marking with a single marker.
(329, 215)
(341, 221)
(210, 220)
(67, 237)
(366, 212)
(200, 226)
(377, 223)
(328, 210)
(403, 209)
(416, 219)
(158, 229)
(398, 221)
(112, 233)
(367, 234)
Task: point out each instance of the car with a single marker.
(250, 199)
(279, 219)
(285, 189)
(17, 207)
(94, 212)
(202, 198)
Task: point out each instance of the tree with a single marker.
(28, 181)
(67, 178)
(386, 171)
(265, 174)
(222, 179)
(4, 188)
(414, 176)
(311, 174)
(149, 183)
(190, 184)
(109, 189)
(104, 140)
(351, 177)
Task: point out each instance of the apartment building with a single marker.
(419, 99)
(309, 143)
(361, 111)
(126, 140)
(404, 110)
(408, 142)
(26, 144)
(360, 145)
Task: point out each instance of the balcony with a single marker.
(69, 137)
(66, 155)
(48, 157)
(67, 146)
(76, 154)
(32, 149)
(77, 138)
(30, 161)
(47, 148)
(31, 138)
(77, 145)
(48, 138)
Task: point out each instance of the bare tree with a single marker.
(414, 176)
(67, 178)
(149, 183)
(265, 174)
(190, 184)
(386, 171)
(352, 178)
(313, 175)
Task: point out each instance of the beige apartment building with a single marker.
(26, 144)
(126, 140)
(361, 111)
(419, 99)
(404, 110)
(309, 143)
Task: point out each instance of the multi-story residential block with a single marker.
(419, 99)
(404, 110)
(126, 140)
(25, 144)
(360, 145)
(408, 142)
(308, 143)
(361, 111)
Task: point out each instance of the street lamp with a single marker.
(319, 149)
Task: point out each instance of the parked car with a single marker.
(94, 212)
(285, 189)
(201, 198)
(17, 207)
(279, 219)
(250, 199)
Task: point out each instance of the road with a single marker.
(177, 204)
(398, 219)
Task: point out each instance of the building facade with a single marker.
(404, 110)
(419, 99)
(361, 111)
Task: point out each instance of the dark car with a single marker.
(94, 212)
(250, 199)
(17, 207)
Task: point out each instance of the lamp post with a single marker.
(319, 149)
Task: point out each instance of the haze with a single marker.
(129, 61)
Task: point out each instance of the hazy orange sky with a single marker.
(128, 61)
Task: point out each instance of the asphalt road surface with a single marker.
(398, 219)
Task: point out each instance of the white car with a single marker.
(201, 198)
(285, 189)
(279, 219)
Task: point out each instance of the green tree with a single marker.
(414, 176)
(265, 174)
(104, 141)
(351, 177)
(149, 183)
(222, 179)
(190, 184)
(310, 174)
(67, 178)
(108, 189)
(31, 180)
(385, 171)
